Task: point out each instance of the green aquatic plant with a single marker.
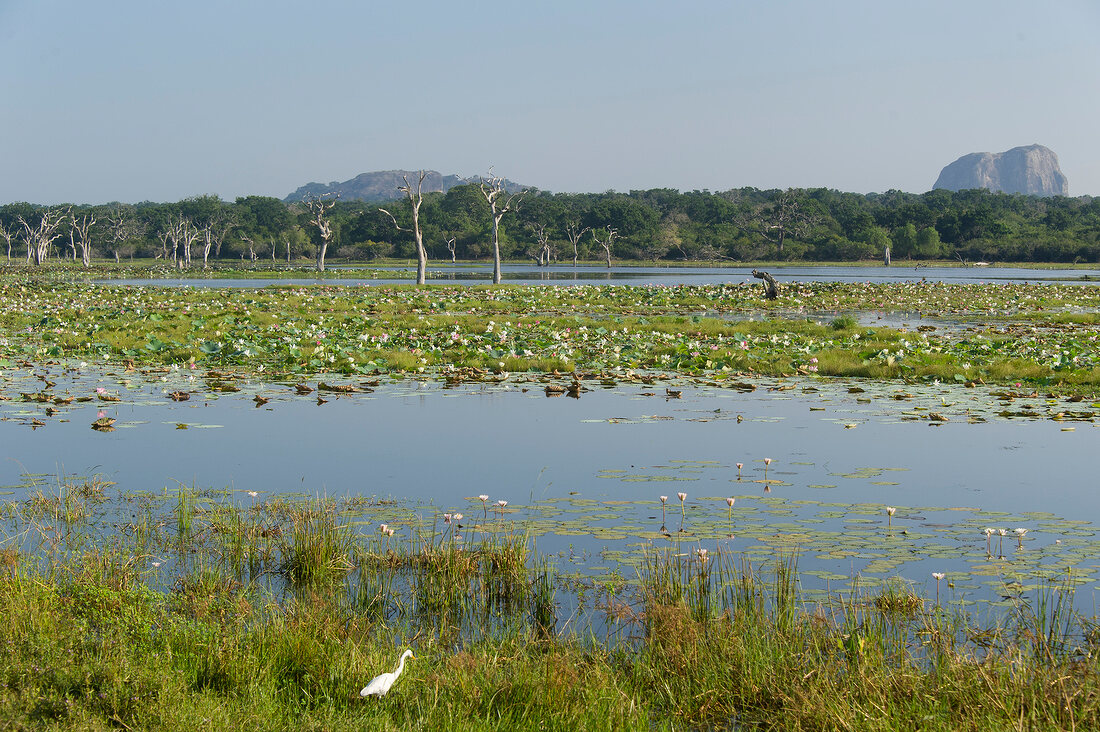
(317, 548)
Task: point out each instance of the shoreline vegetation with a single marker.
(662, 224)
(191, 609)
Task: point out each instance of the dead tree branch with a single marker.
(318, 209)
(415, 199)
(493, 190)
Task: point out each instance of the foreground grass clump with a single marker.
(205, 612)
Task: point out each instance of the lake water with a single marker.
(567, 275)
(583, 475)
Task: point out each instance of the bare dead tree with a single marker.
(318, 209)
(414, 200)
(123, 226)
(40, 237)
(8, 235)
(542, 241)
(492, 188)
(778, 220)
(451, 243)
(163, 237)
(251, 248)
(286, 240)
(81, 228)
(214, 232)
(182, 233)
(574, 232)
(606, 242)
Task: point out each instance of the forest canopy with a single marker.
(744, 224)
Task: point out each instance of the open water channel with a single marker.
(518, 274)
(583, 476)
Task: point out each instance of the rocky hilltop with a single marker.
(1032, 170)
(382, 185)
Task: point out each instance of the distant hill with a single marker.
(382, 185)
(1032, 170)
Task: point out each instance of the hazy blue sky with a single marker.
(144, 100)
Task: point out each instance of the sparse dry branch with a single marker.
(81, 229)
(574, 232)
(41, 236)
(606, 242)
(318, 209)
(492, 189)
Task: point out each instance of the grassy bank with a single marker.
(186, 610)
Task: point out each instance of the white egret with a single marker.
(381, 683)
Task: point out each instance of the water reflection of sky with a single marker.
(568, 275)
(430, 446)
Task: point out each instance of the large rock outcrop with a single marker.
(381, 186)
(1032, 170)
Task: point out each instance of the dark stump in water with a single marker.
(771, 287)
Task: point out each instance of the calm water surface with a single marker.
(583, 475)
(568, 275)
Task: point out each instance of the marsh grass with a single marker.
(317, 548)
(131, 628)
(97, 639)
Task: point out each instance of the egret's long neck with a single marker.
(400, 665)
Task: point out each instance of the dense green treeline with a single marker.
(660, 224)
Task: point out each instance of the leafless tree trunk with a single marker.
(886, 255)
(183, 232)
(213, 234)
(163, 236)
(606, 243)
(542, 240)
(82, 227)
(8, 235)
(450, 248)
(286, 240)
(40, 237)
(414, 200)
(251, 247)
(574, 232)
(492, 188)
(123, 226)
(318, 208)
